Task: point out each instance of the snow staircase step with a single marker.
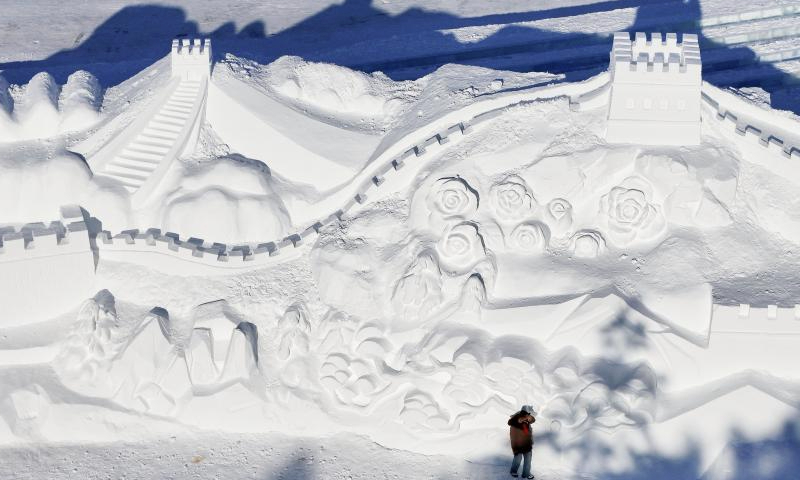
(154, 132)
(178, 115)
(162, 117)
(134, 166)
(144, 139)
(133, 175)
(135, 162)
(141, 156)
(164, 126)
(147, 147)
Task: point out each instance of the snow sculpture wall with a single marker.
(655, 90)
(41, 262)
(191, 58)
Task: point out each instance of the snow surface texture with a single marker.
(407, 262)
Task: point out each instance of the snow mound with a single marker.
(340, 90)
(228, 200)
(36, 180)
(42, 109)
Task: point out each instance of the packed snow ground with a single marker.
(521, 260)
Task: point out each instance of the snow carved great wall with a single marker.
(141, 155)
(497, 343)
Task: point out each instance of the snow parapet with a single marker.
(191, 58)
(774, 133)
(655, 92)
(197, 249)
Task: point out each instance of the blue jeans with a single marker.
(526, 466)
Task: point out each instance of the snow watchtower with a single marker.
(191, 59)
(655, 90)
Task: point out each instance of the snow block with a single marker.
(191, 58)
(242, 356)
(200, 357)
(655, 90)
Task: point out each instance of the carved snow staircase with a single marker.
(142, 154)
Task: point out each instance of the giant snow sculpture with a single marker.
(655, 90)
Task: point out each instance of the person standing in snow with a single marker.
(522, 440)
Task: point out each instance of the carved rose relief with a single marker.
(529, 237)
(461, 248)
(512, 199)
(631, 213)
(452, 197)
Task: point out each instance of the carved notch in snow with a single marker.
(191, 58)
(655, 90)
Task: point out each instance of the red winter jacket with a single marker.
(521, 434)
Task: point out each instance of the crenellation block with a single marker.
(125, 237)
(744, 310)
(672, 40)
(264, 248)
(173, 244)
(295, 239)
(14, 244)
(656, 40)
(772, 312)
(72, 212)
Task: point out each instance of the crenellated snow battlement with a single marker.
(36, 240)
(655, 90)
(191, 58)
(657, 59)
(47, 268)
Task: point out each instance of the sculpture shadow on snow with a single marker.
(349, 32)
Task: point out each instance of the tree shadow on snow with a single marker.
(408, 45)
